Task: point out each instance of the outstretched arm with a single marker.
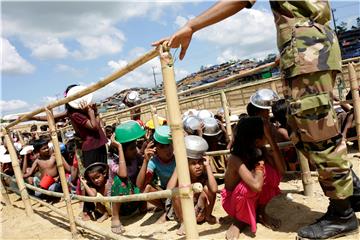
(218, 12)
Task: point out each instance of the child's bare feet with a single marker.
(103, 217)
(199, 213)
(162, 218)
(181, 230)
(211, 219)
(117, 227)
(269, 222)
(234, 230)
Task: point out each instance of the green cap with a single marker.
(128, 131)
(162, 135)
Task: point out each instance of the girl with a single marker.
(87, 125)
(94, 183)
(251, 178)
(126, 169)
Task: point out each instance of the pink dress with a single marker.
(241, 203)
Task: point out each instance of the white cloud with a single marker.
(91, 24)
(248, 33)
(12, 62)
(11, 105)
(50, 48)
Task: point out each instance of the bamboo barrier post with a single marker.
(61, 171)
(307, 181)
(273, 86)
(4, 196)
(21, 139)
(154, 116)
(356, 100)
(18, 174)
(177, 133)
(225, 106)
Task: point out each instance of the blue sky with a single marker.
(47, 46)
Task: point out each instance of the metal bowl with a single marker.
(264, 98)
(211, 127)
(190, 112)
(202, 114)
(133, 97)
(191, 124)
(196, 146)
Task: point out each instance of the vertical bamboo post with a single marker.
(4, 196)
(18, 174)
(354, 86)
(182, 167)
(61, 171)
(154, 116)
(21, 139)
(224, 104)
(273, 86)
(305, 174)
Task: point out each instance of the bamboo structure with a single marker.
(102, 83)
(4, 196)
(163, 194)
(154, 116)
(356, 100)
(307, 181)
(21, 139)
(61, 172)
(225, 105)
(18, 174)
(177, 133)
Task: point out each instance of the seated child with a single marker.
(94, 183)
(250, 180)
(200, 171)
(159, 160)
(46, 164)
(124, 182)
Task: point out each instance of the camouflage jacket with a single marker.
(305, 40)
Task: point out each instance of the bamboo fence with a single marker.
(229, 97)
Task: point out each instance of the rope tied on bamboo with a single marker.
(165, 55)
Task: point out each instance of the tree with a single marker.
(358, 22)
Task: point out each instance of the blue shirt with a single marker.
(162, 170)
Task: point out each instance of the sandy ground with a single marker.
(293, 208)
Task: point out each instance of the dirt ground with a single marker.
(291, 207)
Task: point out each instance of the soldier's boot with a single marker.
(340, 220)
(355, 198)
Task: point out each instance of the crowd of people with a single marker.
(132, 157)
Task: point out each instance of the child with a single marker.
(200, 171)
(47, 166)
(96, 176)
(250, 180)
(158, 159)
(126, 170)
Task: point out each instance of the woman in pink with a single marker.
(251, 178)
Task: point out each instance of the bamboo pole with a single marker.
(102, 83)
(356, 100)
(177, 133)
(225, 106)
(21, 139)
(61, 171)
(273, 86)
(154, 116)
(168, 193)
(4, 196)
(18, 174)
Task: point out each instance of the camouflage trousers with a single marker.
(328, 152)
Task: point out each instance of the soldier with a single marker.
(309, 61)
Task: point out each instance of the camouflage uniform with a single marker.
(309, 60)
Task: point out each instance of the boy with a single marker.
(47, 166)
(159, 160)
(200, 171)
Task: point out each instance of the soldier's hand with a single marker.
(181, 38)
